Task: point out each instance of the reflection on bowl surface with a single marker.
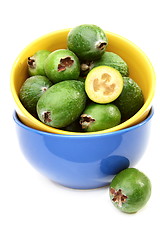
(83, 162)
(114, 164)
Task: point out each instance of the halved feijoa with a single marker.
(62, 64)
(36, 63)
(62, 104)
(130, 190)
(31, 91)
(98, 117)
(103, 84)
(87, 41)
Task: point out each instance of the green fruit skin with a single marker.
(52, 62)
(105, 115)
(82, 79)
(74, 126)
(112, 60)
(130, 100)
(82, 41)
(31, 91)
(135, 185)
(65, 101)
(39, 57)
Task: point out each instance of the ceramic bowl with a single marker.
(140, 69)
(83, 162)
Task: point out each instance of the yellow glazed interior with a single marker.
(140, 70)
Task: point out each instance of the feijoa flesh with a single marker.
(112, 60)
(62, 104)
(98, 117)
(62, 64)
(130, 100)
(36, 63)
(130, 190)
(31, 91)
(103, 84)
(87, 41)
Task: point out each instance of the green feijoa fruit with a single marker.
(130, 100)
(130, 190)
(98, 117)
(74, 126)
(62, 104)
(87, 41)
(62, 64)
(31, 91)
(112, 60)
(36, 63)
(82, 79)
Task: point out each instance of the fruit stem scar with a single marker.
(44, 89)
(64, 63)
(31, 62)
(86, 120)
(118, 196)
(46, 115)
(101, 45)
(84, 67)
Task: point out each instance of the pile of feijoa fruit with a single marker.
(81, 88)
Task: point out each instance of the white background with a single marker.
(31, 206)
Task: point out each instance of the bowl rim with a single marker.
(39, 124)
(121, 131)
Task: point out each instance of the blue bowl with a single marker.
(83, 162)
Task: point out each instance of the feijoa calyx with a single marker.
(62, 64)
(62, 104)
(31, 91)
(103, 84)
(98, 117)
(36, 63)
(130, 190)
(87, 41)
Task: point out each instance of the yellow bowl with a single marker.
(140, 69)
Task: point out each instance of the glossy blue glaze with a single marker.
(83, 161)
